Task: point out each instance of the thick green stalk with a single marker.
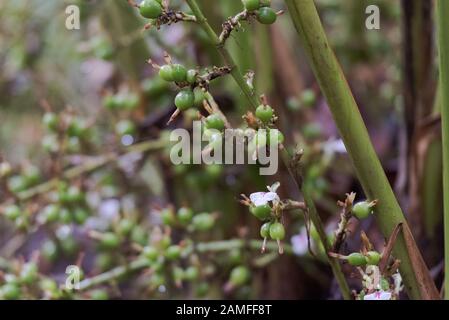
(443, 44)
(354, 133)
(238, 77)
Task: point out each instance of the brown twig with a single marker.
(345, 216)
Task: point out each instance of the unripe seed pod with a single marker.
(166, 72)
(373, 258)
(264, 113)
(239, 276)
(168, 217)
(265, 230)
(179, 73)
(262, 212)
(362, 210)
(266, 15)
(185, 99)
(277, 231)
(185, 215)
(150, 9)
(173, 252)
(356, 259)
(203, 221)
(251, 5)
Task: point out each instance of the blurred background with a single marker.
(98, 84)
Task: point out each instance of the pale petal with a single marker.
(379, 295)
(258, 198)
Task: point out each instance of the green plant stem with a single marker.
(215, 246)
(443, 43)
(334, 263)
(353, 131)
(91, 165)
(254, 101)
(215, 40)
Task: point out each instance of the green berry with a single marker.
(51, 213)
(264, 113)
(125, 226)
(202, 289)
(50, 143)
(165, 242)
(17, 183)
(179, 73)
(150, 253)
(199, 97)
(32, 175)
(185, 215)
(99, 294)
(139, 235)
(157, 280)
(191, 273)
(185, 99)
(384, 284)
(235, 256)
(29, 273)
(362, 210)
(73, 145)
(49, 286)
(150, 9)
(155, 87)
(266, 15)
(265, 230)
(65, 216)
(50, 121)
(373, 258)
(80, 215)
(277, 231)
(178, 274)
(74, 195)
(12, 212)
(125, 127)
(131, 101)
(192, 76)
(168, 217)
(262, 212)
(214, 121)
(173, 252)
(110, 240)
(10, 292)
(214, 171)
(104, 261)
(166, 72)
(251, 5)
(239, 276)
(308, 97)
(203, 221)
(102, 48)
(357, 259)
(49, 250)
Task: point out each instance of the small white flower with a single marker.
(332, 147)
(262, 198)
(378, 295)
